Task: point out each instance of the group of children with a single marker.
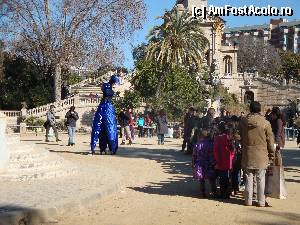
(218, 158)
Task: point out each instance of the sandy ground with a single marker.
(158, 189)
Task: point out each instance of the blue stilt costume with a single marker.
(105, 122)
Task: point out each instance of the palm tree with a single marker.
(179, 41)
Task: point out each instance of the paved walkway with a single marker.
(156, 188)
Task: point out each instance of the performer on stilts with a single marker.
(105, 122)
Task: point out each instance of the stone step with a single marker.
(33, 165)
(60, 171)
(88, 90)
(28, 157)
(11, 139)
(21, 148)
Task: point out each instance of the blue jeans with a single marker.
(71, 133)
(161, 139)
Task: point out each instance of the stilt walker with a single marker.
(105, 122)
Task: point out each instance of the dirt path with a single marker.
(158, 190)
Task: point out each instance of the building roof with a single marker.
(290, 24)
(247, 28)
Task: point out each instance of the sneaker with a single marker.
(123, 143)
(57, 140)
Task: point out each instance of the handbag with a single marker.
(275, 183)
(46, 124)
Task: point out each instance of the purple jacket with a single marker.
(203, 160)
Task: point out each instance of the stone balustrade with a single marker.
(10, 113)
(89, 80)
(63, 105)
(67, 103)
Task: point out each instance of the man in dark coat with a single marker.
(189, 124)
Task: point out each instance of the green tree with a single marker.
(23, 81)
(290, 66)
(178, 92)
(178, 41)
(131, 100)
(229, 101)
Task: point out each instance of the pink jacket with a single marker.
(223, 152)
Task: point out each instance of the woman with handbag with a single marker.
(72, 117)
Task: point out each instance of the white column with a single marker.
(4, 153)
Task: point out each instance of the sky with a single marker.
(156, 8)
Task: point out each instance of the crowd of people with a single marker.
(228, 148)
(128, 121)
(234, 149)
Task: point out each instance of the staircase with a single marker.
(90, 86)
(274, 94)
(27, 163)
(82, 100)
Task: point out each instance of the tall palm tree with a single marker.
(179, 41)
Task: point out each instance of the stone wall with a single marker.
(268, 92)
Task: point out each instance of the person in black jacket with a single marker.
(72, 117)
(124, 120)
(189, 124)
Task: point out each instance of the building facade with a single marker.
(279, 32)
(222, 55)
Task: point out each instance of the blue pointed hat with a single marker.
(114, 80)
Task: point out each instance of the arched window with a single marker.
(227, 64)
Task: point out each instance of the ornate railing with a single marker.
(67, 103)
(10, 113)
(91, 80)
(77, 101)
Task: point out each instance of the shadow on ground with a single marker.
(179, 165)
(277, 218)
(11, 214)
(291, 158)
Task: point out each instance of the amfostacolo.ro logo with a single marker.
(251, 10)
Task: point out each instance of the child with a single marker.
(223, 152)
(141, 124)
(237, 159)
(203, 162)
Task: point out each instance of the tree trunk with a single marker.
(57, 83)
(161, 80)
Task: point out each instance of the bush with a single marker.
(61, 125)
(34, 121)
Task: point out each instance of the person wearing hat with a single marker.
(50, 122)
(105, 123)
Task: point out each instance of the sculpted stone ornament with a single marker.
(218, 26)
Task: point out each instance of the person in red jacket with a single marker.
(223, 153)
